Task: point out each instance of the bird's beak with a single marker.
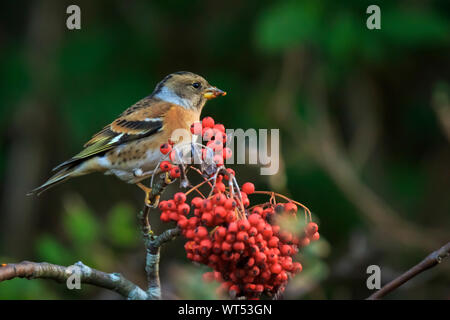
(213, 92)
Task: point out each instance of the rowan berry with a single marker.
(165, 166)
(248, 188)
(208, 122)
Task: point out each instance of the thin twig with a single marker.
(430, 261)
(153, 243)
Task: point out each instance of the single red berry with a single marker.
(179, 197)
(242, 236)
(201, 232)
(243, 225)
(315, 236)
(297, 267)
(233, 227)
(220, 211)
(164, 217)
(276, 229)
(193, 222)
(207, 205)
(219, 127)
(291, 207)
(254, 219)
(248, 188)
(171, 204)
(239, 246)
(207, 134)
(165, 166)
(272, 257)
(230, 204)
(165, 148)
(208, 122)
(213, 259)
(255, 271)
(205, 245)
(173, 215)
(259, 288)
(311, 229)
(220, 187)
(276, 268)
(219, 199)
(231, 172)
(189, 232)
(207, 219)
(196, 128)
(261, 226)
(226, 246)
(184, 209)
(162, 205)
(197, 202)
(267, 232)
(231, 217)
(182, 222)
(221, 232)
(266, 276)
(287, 265)
(260, 258)
(252, 231)
(230, 238)
(286, 250)
(175, 172)
(282, 276)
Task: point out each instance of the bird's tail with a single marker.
(59, 177)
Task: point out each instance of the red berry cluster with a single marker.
(215, 137)
(248, 252)
(246, 248)
(166, 166)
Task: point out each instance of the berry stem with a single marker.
(271, 193)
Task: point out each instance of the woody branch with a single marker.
(430, 261)
(153, 243)
(43, 270)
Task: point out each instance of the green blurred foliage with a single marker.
(121, 226)
(88, 239)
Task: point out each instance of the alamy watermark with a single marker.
(74, 279)
(73, 21)
(258, 147)
(373, 282)
(374, 20)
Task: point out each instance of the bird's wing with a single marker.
(136, 122)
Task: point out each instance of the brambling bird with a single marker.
(129, 147)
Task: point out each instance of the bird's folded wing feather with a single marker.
(135, 123)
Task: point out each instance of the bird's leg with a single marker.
(167, 179)
(148, 192)
(139, 173)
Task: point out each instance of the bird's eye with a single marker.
(196, 85)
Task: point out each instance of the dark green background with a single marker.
(360, 114)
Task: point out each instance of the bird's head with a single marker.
(186, 89)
